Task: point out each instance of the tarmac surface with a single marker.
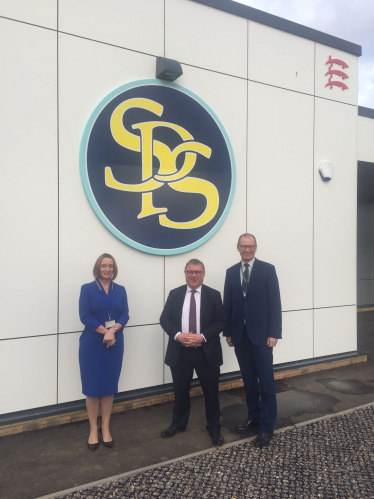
(41, 462)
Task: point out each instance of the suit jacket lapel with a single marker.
(179, 303)
(203, 304)
(237, 282)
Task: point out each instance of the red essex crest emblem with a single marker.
(337, 72)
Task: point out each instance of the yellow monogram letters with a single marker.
(167, 173)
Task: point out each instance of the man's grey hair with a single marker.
(194, 261)
(246, 235)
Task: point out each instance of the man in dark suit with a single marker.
(193, 317)
(254, 325)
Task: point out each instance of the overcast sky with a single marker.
(352, 20)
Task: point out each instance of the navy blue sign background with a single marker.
(122, 208)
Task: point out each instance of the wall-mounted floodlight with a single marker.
(326, 170)
(168, 69)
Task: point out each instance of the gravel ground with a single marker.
(332, 458)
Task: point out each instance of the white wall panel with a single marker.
(297, 341)
(40, 12)
(28, 373)
(137, 25)
(336, 93)
(335, 205)
(143, 358)
(365, 139)
(280, 187)
(69, 378)
(28, 188)
(280, 59)
(88, 72)
(227, 97)
(335, 330)
(208, 38)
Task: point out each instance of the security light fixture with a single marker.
(326, 170)
(168, 69)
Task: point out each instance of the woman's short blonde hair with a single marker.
(96, 269)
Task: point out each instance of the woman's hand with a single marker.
(109, 337)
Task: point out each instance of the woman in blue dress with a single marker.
(104, 311)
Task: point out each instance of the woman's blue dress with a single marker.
(101, 366)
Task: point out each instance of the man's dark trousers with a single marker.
(190, 359)
(256, 367)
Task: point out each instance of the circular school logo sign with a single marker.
(157, 167)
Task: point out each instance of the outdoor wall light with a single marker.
(168, 69)
(326, 170)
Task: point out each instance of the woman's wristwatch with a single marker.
(114, 327)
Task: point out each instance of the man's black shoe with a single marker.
(171, 431)
(248, 425)
(263, 439)
(217, 438)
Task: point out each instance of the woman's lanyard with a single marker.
(109, 299)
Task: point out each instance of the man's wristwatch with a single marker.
(114, 327)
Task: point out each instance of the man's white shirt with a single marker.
(186, 312)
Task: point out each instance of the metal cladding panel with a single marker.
(82, 236)
(205, 37)
(335, 330)
(226, 96)
(363, 245)
(362, 294)
(297, 342)
(280, 187)
(39, 12)
(335, 205)
(280, 59)
(143, 358)
(28, 188)
(336, 75)
(28, 373)
(136, 25)
(69, 380)
(365, 139)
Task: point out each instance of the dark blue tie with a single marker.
(245, 279)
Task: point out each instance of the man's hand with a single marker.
(194, 339)
(183, 338)
(229, 342)
(272, 342)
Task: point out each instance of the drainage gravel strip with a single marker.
(329, 458)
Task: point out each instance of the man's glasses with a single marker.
(192, 272)
(247, 247)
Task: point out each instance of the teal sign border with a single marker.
(87, 187)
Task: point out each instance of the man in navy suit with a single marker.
(254, 325)
(193, 317)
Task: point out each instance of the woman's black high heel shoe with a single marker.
(107, 444)
(94, 446)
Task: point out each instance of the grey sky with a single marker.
(352, 20)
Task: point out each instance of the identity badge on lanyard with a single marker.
(109, 298)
